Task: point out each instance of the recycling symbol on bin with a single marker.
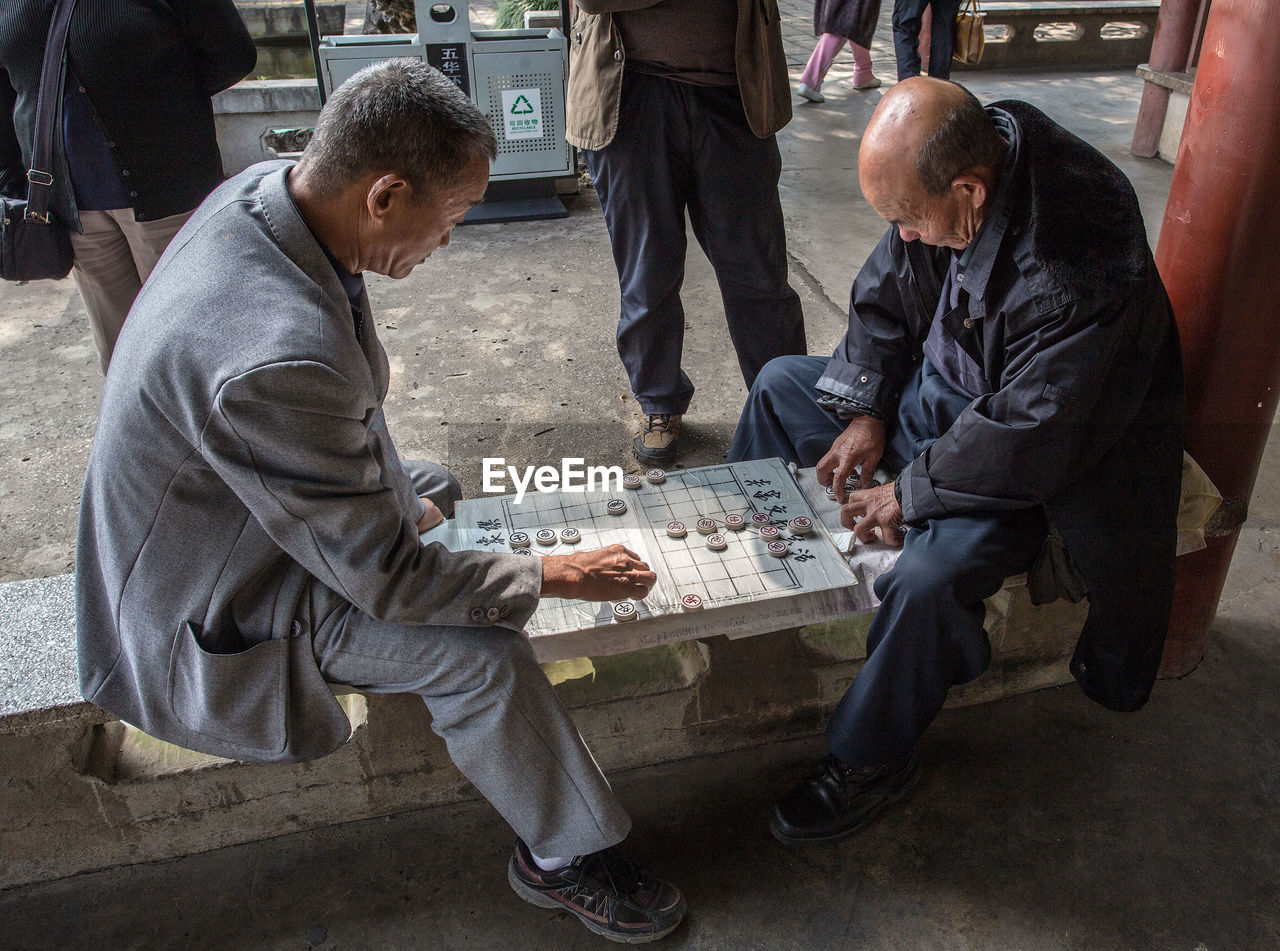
(522, 106)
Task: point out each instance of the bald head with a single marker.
(908, 116)
(929, 144)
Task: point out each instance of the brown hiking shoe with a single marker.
(606, 891)
(659, 434)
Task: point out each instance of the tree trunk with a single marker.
(389, 16)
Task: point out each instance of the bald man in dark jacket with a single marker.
(1012, 353)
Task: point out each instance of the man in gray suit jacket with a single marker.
(249, 535)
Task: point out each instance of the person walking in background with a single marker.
(907, 22)
(136, 151)
(836, 22)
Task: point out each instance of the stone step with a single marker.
(284, 21)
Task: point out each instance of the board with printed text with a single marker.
(737, 549)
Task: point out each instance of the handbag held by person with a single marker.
(32, 246)
(969, 39)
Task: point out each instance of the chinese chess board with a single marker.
(742, 589)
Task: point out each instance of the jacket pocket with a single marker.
(1058, 394)
(238, 699)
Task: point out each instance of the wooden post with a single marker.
(1175, 32)
(1217, 255)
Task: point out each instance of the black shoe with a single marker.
(608, 893)
(838, 801)
(659, 438)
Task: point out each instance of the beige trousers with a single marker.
(113, 258)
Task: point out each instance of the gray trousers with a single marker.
(502, 722)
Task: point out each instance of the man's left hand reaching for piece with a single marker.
(869, 509)
(431, 515)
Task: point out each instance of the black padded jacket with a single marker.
(1064, 311)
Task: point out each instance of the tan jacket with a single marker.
(597, 59)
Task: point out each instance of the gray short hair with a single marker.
(964, 141)
(399, 116)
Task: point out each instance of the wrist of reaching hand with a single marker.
(560, 574)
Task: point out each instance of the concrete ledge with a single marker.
(1176, 82)
(1175, 115)
(85, 792)
(245, 113)
(1023, 35)
(269, 20)
(268, 95)
(39, 684)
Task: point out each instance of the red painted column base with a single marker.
(1200, 578)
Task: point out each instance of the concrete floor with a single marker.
(1042, 821)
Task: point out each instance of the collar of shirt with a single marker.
(353, 284)
(978, 259)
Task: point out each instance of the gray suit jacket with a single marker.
(242, 456)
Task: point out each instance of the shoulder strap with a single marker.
(40, 175)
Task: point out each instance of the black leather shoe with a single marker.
(837, 801)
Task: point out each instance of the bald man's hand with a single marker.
(861, 444)
(875, 508)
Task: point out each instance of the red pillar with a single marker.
(1218, 257)
(1170, 49)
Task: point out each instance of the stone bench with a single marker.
(246, 116)
(84, 791)
(1113, 34)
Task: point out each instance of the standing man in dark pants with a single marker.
(1011, 350)
(907, 15)
(676, 103)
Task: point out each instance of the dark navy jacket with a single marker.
(1064, 311)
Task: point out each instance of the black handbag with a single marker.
(32, 247)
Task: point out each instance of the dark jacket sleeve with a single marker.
(219, 41)
(11, 177)
(883, 343)
(1019, 445)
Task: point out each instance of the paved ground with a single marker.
(1042, 821)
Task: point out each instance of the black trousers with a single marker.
(688, 149)
(927, 635)
(906, 36)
